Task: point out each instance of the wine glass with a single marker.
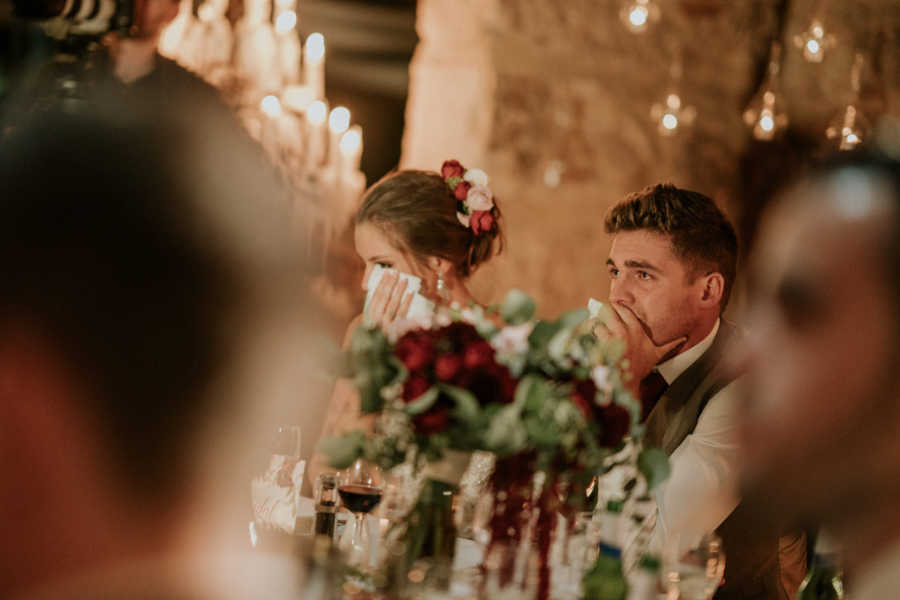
(694, 572)
(360, 488)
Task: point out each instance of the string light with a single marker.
(850, 127)
(637, 15)
(671, 114)
(765, 113)
(814, 42)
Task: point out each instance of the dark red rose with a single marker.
(616, 421)
(478, 353)
(490, 383)
(583, 396)
(434, 421)
(415, 350)
(458, 335)
(452, 168)
(414, 387)
(447, 366)
(481, 221)
(461, 191)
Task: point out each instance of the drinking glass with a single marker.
(694, 572)
(360, 488)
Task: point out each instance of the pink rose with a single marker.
(479, 198)
(452, 168)
(482, 221)
(461, 191)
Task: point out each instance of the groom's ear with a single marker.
(712, 290)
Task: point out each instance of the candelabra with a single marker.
(277, 89)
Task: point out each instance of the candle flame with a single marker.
(315, 47)
(286, 21)
(339, 120)
(350, 142)
(317, 112)
(271, 106)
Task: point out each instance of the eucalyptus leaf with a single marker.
(654, 465)
(423, 402)
(517, 308)
(467, 408)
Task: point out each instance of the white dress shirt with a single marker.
(701, 491)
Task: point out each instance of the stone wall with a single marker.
(553, 100)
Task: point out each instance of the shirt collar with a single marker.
(678, 364)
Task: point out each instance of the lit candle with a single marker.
(269, 135)
(350, 153)
(316, 115)
(338, 123)
(314, 64)
(288, 46)
(296, 98)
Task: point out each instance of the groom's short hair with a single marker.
(699, 231)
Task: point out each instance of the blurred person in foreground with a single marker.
(147, 293)
(823, 366)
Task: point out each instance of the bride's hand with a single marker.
(390, 301)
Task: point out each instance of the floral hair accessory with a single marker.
(474, 200)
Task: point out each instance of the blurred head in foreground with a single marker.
(148, 290)
(821, 436)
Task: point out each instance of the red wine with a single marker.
(360, 498)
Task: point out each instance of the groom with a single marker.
(672, 267)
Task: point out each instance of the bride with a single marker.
(438, 227)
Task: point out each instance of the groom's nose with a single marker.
(620, 292)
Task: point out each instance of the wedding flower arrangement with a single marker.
(543, 396)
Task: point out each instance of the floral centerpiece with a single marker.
(543, 396)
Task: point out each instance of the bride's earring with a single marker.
(442, 291)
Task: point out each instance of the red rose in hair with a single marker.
(461, 191)
(452, 168)
(433, 421)
(414, 387)
(415, 350)
(478, 354)
(616, 421)
(447, 366)
(481, 221)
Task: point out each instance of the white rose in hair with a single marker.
(463, 219)
(479, 198)
(476, 177)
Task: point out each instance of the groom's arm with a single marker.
(702, 491)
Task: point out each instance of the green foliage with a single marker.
(654, 466)
(517, 308)
(342, 451)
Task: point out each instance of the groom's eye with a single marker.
(613, 272)
(644, 275)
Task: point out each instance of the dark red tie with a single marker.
(651, 389)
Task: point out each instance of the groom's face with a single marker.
(647, 278)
